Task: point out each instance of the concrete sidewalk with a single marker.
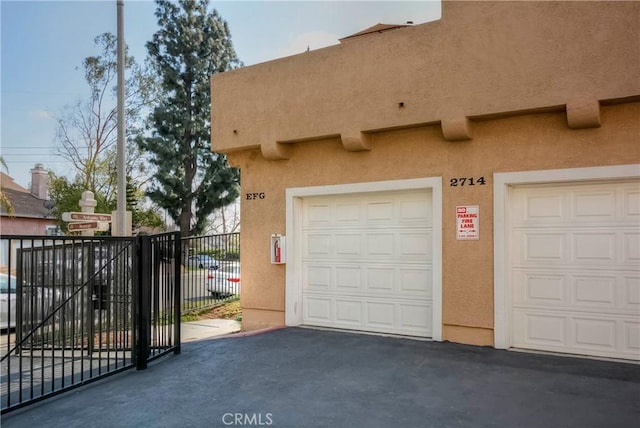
(207, 329)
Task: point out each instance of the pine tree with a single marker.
(132, 197)
(190, 180)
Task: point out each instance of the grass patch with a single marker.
(229, 310)
(189, 317)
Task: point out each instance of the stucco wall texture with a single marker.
(523, 143)
(524, 85)
(481, 58)
(24, 226)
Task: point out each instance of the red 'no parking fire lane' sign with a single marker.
(467, 222)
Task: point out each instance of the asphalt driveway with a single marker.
(298, 377)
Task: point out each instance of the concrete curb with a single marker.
(208, 329)
(252, 332)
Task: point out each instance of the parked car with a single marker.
(7, 301)
(225, 281)
(202, 261)
(34, 312)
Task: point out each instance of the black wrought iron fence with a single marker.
(76, 309)
(211, 274)
(160, 294)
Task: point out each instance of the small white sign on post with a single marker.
(468, 222)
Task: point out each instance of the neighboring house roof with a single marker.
(6, 182)
(24, 204)
(378, 28)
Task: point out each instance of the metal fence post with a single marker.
(177, 289)
(88, 252)
(144, 301)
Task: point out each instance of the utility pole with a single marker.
(121, 223)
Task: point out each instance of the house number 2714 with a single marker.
(467, 181)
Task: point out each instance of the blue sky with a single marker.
(43, 43)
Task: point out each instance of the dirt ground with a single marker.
(231, 310)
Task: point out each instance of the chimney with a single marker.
(39, 181)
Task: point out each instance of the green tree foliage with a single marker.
(141, 216)
(66, 196)
(190, 181)
(4, 201)
(132, 197)
(147, 217)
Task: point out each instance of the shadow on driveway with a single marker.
(298, 377)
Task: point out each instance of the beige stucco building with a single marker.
(474, 179)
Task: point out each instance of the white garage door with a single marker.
(367, 262)
(575, 262)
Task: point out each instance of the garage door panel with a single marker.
(538, 329)
(537, 207)
(575, 262)
(591, 334)
(590, 204)
(544, 247)
(594, 291)
(539, 288)
(347, 245)
(370, 245)
(533, 247)
(594, 247)
(366, 262)
(318, 245)
(417, 210)
(381, 279)
(317, 278)
(586, 247)
(631, 206)
(631, 249)
(415, 245)
(346, 214)
(415, 281)
(369, 279)
(415, 318)
(379, 245)
(631, 292)
(631, 335)
(380, 211)
(348, 312)
(606, 336)
(380, 314)
(348, 278)
(601, 247)
(318, 214)
(373, 245)
(317, 308)
(542, 208)
(369, 314)
(603, 292)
